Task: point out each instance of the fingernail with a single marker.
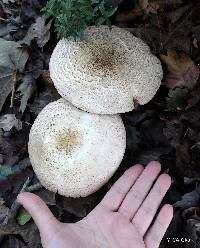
(19, 198)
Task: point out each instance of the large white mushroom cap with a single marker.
(107, 72)
(74, 152)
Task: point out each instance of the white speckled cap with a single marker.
(74, 152)
(107, 72)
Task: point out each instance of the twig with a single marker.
(34, 187)
(13, 89)
(15, 206)
(25, 185)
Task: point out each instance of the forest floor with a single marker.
(166, 129)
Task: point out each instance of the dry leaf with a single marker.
(174, 16)
(150, 6)
(195, 43)
(7, 122)
(182, 70)
(188, 200)
(7, 1)
(12, 59)
(38, 31)
(177, 98)
(129, 15)
(27, 88)
(42, 100)
(47, 78)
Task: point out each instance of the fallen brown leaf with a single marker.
(129, 15)
(182, 70)
(47, 78)
(195, 43)
(13, 58)
(43, 99)
(175, 15)
(8, 121)
(150, 6)
(189, 199)
(26, 89)
(177, 99)
(38, 31)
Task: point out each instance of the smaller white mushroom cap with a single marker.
(74, 152)
(107, 72)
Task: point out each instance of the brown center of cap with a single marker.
(68, 140)
(104, 58)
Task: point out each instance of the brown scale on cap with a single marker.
(104, 59)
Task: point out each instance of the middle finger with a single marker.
(139, 190)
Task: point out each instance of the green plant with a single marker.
(71, 17)
(23, 217)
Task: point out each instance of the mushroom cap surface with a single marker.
(74, 152)
(106, 73)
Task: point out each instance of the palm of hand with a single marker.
(101, 229)
(110, 229)
(121, 220)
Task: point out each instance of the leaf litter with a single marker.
(166, 129)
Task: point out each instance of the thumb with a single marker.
(47, 224)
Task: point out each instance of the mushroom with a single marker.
(74, 152)
(109, 72)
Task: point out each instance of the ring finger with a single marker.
(139, 190)
(148, 209)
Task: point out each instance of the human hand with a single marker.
(122, 219)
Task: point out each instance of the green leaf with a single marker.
(71, 17)
(102, 8)
(5, 171)
(100, 21)
(23, 217)
(95, 1)
(110, 12)
(109, 24)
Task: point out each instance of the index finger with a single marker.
(117, 193)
